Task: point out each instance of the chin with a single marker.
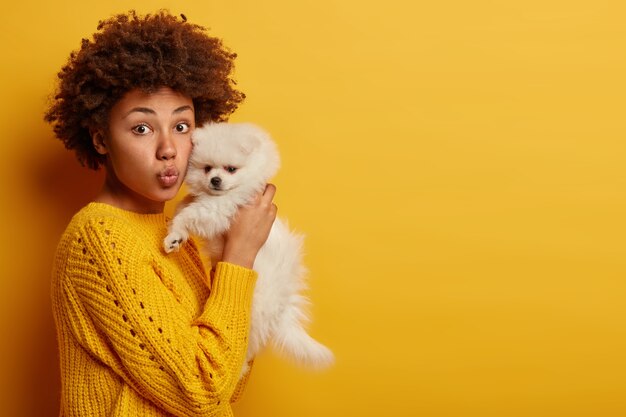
(229, 165)
(166, 194)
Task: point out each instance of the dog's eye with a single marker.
(231, 169)
(207, 168)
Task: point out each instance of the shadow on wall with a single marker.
(65, 185)
(62, 187)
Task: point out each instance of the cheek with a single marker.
(184, 150)
(124, 159)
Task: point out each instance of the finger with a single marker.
(270, 191)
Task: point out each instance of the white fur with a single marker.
(278, 306)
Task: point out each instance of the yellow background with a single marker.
(458, 168)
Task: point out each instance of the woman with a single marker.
(141, 332)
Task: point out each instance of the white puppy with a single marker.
(229, 164)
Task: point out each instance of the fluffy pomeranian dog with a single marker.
(229, 164)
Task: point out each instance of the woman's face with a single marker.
(147, 147)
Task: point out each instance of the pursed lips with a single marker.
(169, 176)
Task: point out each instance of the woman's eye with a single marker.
(182, 128)
(231, 169)
(141, 129)
(207, 168)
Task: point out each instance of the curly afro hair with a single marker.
(140, 52)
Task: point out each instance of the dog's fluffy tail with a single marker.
(292, 339)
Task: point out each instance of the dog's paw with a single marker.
(172, 242)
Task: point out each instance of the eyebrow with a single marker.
(148, 110)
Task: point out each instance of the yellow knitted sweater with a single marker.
(141, 333)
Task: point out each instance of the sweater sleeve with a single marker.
(241, 385)
(125, 311)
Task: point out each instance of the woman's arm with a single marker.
(127, 313)
(243, 381)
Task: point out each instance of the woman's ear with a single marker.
(97, 138)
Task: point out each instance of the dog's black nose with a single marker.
(216, 181)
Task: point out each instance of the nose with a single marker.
(216, 181)
(167, 147)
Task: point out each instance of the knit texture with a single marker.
(142, 333)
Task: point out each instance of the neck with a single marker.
(116, 194)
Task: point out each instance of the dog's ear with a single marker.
(249, 142)
(194, 136)
(97, 138)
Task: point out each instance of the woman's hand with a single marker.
(250, 228)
